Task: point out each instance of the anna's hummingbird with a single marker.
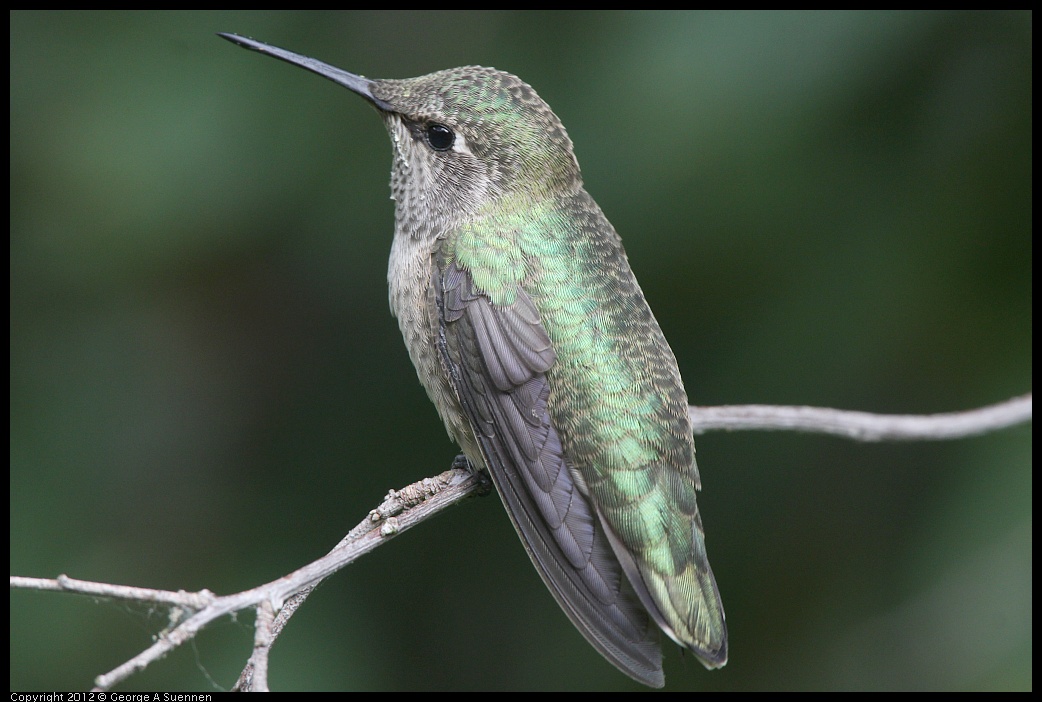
(534, 341)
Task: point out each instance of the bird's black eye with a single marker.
(440, 137)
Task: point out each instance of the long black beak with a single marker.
(354, 83)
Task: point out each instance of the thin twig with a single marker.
(63, 583)
(262, 643)
(863, 426)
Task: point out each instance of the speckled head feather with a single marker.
(503, 121)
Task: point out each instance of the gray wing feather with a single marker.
(497, 357)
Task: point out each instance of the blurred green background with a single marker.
(208, 390)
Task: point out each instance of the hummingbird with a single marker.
(535, 343)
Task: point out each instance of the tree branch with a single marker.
(399, 511)
(191, 611)
(863, 426)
